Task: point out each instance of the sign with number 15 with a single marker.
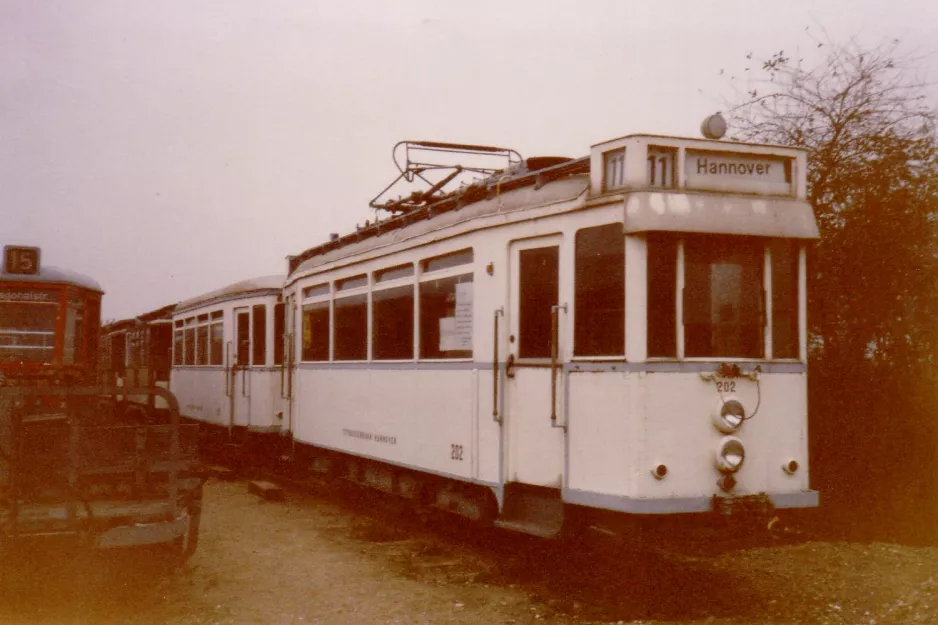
(21, 260)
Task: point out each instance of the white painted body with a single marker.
(230, 395)
(623, 424)
(615, 419)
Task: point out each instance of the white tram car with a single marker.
(228, 357)
(620, 333)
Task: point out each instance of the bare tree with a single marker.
(864, 117)
(873, 180)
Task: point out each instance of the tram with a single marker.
(616, 336)
(137, 353)
(73, 462)
(227, 368)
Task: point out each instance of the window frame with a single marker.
(390, 285)
(216, 319)
(202, 346)
(318, 300)
(350, 293)
(189, 325)
(767, 307)
(429, 275)
(624, 311)
(179, 338)
(259, 342)
(614, 162)
(797, 247)
(279, 331)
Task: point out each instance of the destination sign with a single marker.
(29, 296)
(21, 260)
(745, 173)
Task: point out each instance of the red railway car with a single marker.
(75, 461)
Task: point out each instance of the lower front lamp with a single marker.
(730, 455)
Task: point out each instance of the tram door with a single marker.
(535, 443)
(241, 372)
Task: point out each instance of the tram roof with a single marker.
(162, 314)
(564, 181)
(49, 274)
(263, 285)
(706, 143)
(530, 185)
(513, 199)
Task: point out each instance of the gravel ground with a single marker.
(349, 556)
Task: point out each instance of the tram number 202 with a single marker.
(455, 452)
(726, 387)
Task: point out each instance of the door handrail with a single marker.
(554, 349)
(495, 374)
(228, 369)
(283, 360)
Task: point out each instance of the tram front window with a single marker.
(723, 314)
(27, 332)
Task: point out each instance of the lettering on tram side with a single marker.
(28, 296)
(455, 452)
(370, 436)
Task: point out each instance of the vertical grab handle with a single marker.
(244, 390)
(495, 373)
(228, 369)
(291, 361)
(554, 351)
(283, 359)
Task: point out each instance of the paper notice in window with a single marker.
(448, 338)
(464, 315)
(456, 331)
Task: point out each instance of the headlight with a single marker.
(730, 455)
(729, 416)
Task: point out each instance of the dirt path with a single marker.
(322, 558)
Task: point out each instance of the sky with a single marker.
(170, 148)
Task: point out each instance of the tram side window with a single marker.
(723, 298)
(599, 326)
(259, 335)
(190, 342)
(446, 317)
(178, 341)
(392, 333)
(74, 333)
(614, 162)
(201, 356)
(92, 326)
(137, 357)
(160, 348)
(27, 329)
(118, 349)
(316, 331)
(278, 334)
(539, 286)
(243, 338)
(662, 303)
(351, 327)
(785, 337)
(259, 357)
(217, 338)
(139, 353)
